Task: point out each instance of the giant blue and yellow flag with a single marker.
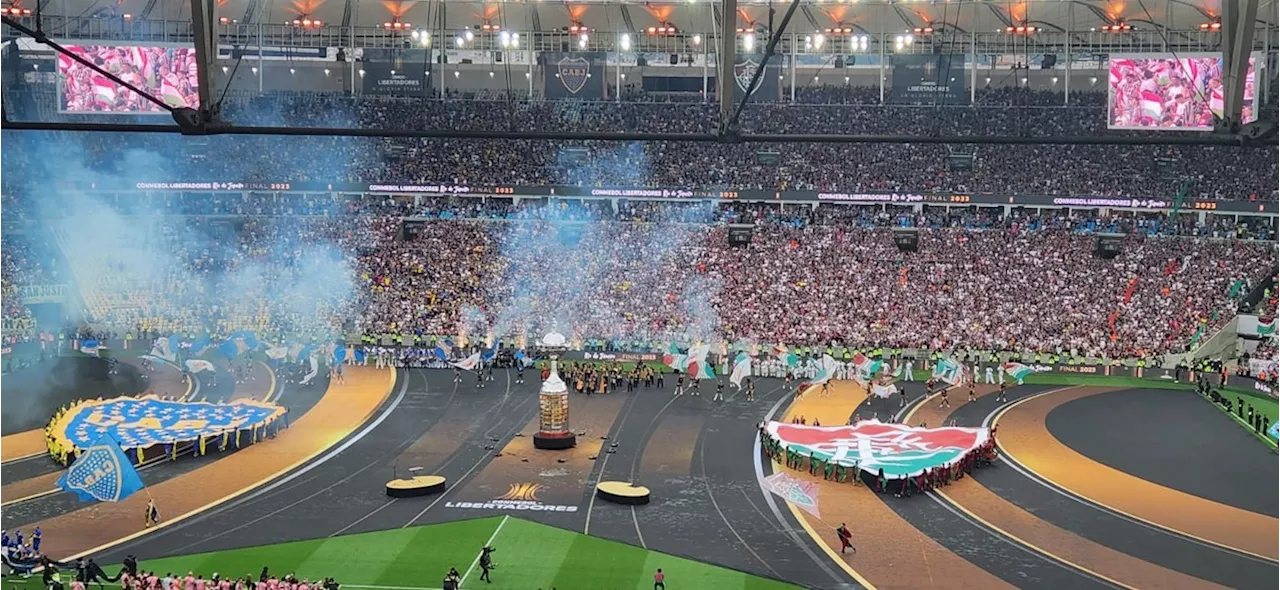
(102, 473)
(147, 421)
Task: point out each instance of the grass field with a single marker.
(529, 556)
(1268, 407)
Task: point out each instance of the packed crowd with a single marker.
(1008, 289)
(813, 274)
(1216, 172)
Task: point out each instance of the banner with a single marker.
(767, 88)
(929, 79)
(804, 494)
(395, 78)
(897, 449)
(102, 472)
(574, 75)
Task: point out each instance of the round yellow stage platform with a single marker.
(422, 485)
(621, 492)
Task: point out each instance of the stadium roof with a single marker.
(868, 16)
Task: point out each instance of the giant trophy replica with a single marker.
(553, 401)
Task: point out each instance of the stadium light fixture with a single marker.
(1214, 26)
(292, 71)
(921, 31)
(468, 35)
(224, 69)
(583, 39)
(254, 69)
(1020, 30)
(697, 40)
(749, 41)
(902, 42)
(624, 42)
(459, 42)
(1118, 27)
(128, 17)
(361, 72)
(859, 42)
(326, 71)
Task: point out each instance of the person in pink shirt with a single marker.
(153, 581)
(77, 585)
(261, 585)
(189, 582)
(273, 583)
(200, 583)
(124, 580)
(224, 584)
(304, 585)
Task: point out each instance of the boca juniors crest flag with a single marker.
(900, 450)
(102, 473)
(574, 75)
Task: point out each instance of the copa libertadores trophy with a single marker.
(553, 401)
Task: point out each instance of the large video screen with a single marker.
(1166, 92)
(168, 73)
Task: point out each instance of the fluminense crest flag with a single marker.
(102, 472)
(804, 494)
(884, 390)
(865, 368)
(948, 371)
(741, 369)
(1266, 327)
(696, 365)
(900, 450)
(673, 358)
(827, 367)
(787, 357)
(1018, 371)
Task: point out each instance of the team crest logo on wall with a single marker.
(743, 73)
(930, 68)
(574, 72)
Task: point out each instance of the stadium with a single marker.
(606, 294)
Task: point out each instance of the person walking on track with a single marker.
(845, 538)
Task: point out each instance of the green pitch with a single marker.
(529, 556)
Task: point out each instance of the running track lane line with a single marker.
(298, 469)
(486, 544)
(1007, 460)
(1036, 476)
(757, 452)
(593, 478)
(958, 509)
(481, 461)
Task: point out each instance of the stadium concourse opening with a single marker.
(936, 334)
